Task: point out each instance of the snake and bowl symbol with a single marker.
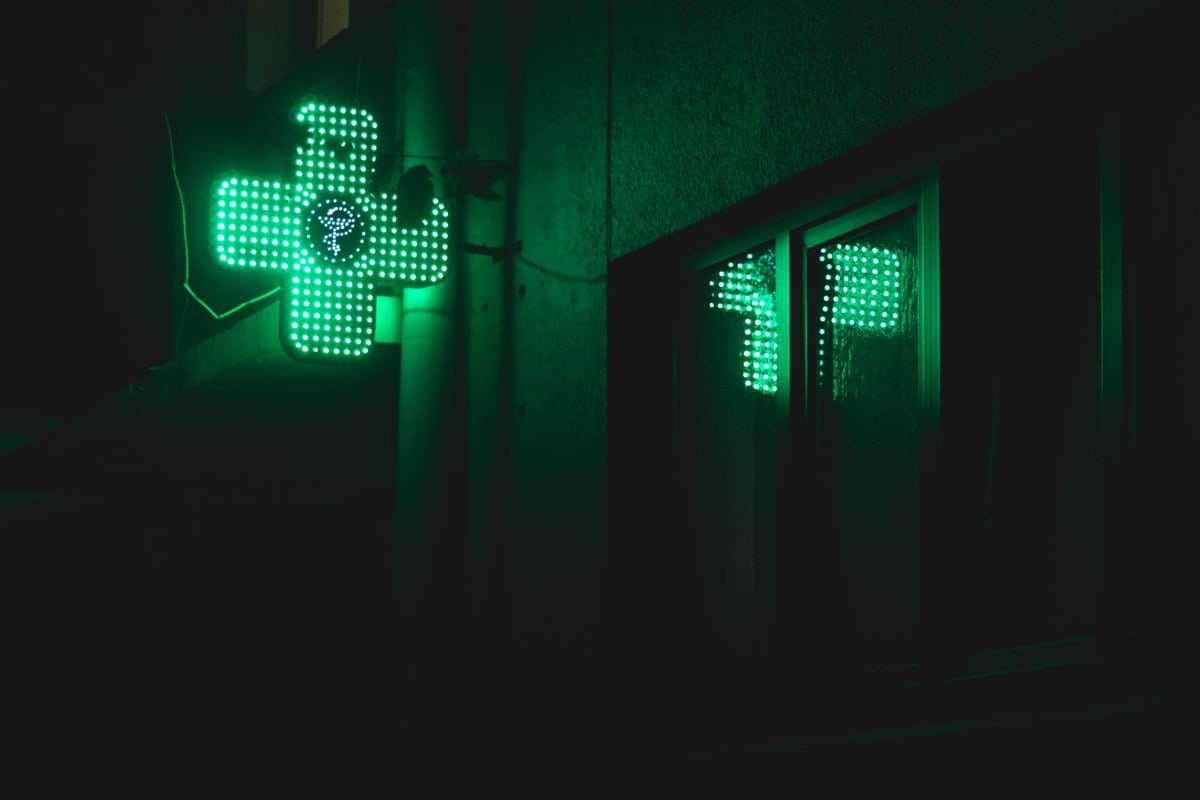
(335, 229)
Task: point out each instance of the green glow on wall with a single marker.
(337, 239)
(748, 288)
(863, 291)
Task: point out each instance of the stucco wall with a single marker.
(557, 451)
(716, 101)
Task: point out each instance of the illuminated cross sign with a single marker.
(334, 238)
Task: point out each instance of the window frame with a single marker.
(922, 195)
(911, 159)
(792, 412)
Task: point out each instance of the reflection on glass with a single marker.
(725, 378)
(747, 287)
(864, 339)
(867, 291)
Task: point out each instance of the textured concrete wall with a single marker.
(716, 101)
(556, 499)
(488, 309)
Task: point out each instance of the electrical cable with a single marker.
(187, 267)
(562, 276)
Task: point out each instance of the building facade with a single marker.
(602, 493)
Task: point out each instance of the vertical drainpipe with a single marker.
(430, 386)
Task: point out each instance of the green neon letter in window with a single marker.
(748, 288)
(334, 238)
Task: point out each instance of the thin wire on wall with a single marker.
(187, 268)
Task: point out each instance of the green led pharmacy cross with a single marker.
(335, 239)
(748, 288)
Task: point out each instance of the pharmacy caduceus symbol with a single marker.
(333, 240)
(338, 225)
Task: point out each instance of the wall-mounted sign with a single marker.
(333, 240)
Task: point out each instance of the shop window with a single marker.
(1017, 554)
(885, 435)
(727, 381)
(865, 272)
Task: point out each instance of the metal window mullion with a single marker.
(930, 500)
(929, 299)
(1112, 392)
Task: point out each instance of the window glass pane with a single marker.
(863, 319)
(726, 374)
(1021, 431)
(1151, 559)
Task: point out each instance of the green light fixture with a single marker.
(337, 240)
(748, 288)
